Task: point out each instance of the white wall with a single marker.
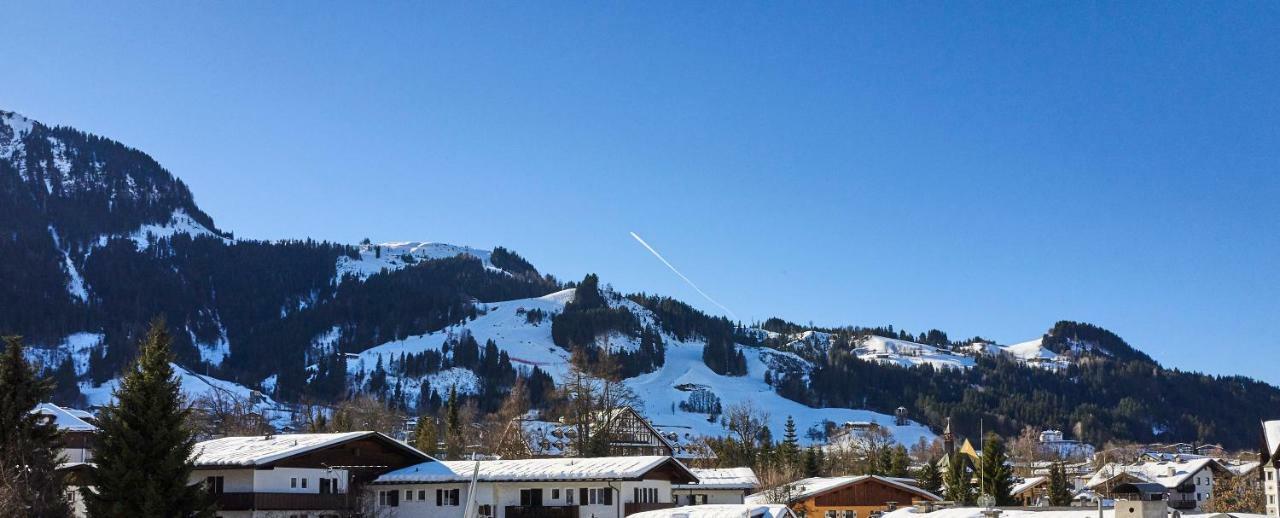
(1271, 490)
(277, 480)
(501, 495)
(714, 496)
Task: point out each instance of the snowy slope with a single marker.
(393, 256)
(908, 354)
(197, 386)
(179, 223)
(530, 344)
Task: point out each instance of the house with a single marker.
(1188, 483)
(720, 511)
(629, 434)
(317, 475)
(1270, 466)
(845, 497)
(527, 488)
(717, 486)
(1054, 444)
(1032, 492)
(77, 430)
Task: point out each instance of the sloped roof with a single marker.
(1029, 483)
(1167, 474)
(555, 469)
(726, 478)
(260, 450)
(65, 418)
(1271, 432)
(811, 487)
(720, 511)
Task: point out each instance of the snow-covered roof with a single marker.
(259, 450)
(720, 511)
(976, 512)
(1167, 474)
(66, 419)
(1026, 484)
(566, 469)
(1271, 430)
(726, 478)
(811, 487)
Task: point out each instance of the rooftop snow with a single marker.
(720, 511)
(594, 468)
(65, 418)
(808, 487)
(1167, 474)
(724, 478)
(259, 450)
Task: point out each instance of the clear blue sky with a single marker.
(982, 168)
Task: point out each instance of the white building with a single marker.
(1270, 461)
(296, 475)
(525, 488)
(77, 431)
(717, 486)
(1188, 482)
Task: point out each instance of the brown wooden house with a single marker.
(846, 497)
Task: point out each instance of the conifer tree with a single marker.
(1059, 488)
(425, 437)
(997, 476)
(142, 453)
(455, 442)
(899, 462)
(790, 448)
(29, 444)
(959, 487)
(929, 478)
(812, 465)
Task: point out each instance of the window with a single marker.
(568, 496)
(293, 482)
(325, 487)
(606, 496)
(408, 495)
(389, 498)
(485, 511)
(832, 514)
(531, 497)
(555, 493)
(304, 482)
(582, 496)
(1270, 474)
(850, 514)
(446, 497)
(213, 485)
(422, 495)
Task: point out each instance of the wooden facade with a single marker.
(862, 497)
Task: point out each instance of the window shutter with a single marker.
(439, 497)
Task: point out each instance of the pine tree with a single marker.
(959, 487)
(812, 464)
(929, 478)
(455, 442)
(425, 436)
(899, 462)
(1059, 488)
(142, 453)
(997, 476)
(29, 444)
(790, 448)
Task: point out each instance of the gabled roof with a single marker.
(528, 470)
(1271, 434)
(559, 437)
(720, 511)
(1167, 474)
(65, 419)
(726, 478)
(1028, 484)
(812, 487)
(262, 450)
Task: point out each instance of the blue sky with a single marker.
(982, 168)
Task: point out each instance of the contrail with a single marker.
(686, 279)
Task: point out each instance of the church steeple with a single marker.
(948, 440)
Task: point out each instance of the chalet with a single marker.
(297, 475)
(717, 486)
(527, 488)
(721, 511)
(77, 430)
(1032, 492)
(629, 434)
(845, 497)
(1188, 483)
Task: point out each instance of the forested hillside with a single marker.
(97, 239)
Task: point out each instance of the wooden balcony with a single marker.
(542, 511)
(282, 502)
(640, 507)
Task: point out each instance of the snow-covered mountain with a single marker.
(530, 344)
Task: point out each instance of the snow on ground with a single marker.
(394, 256)
(179, 223)
(75, 281)
(530, 344)
(196, 386)
(976, 512)
(216, 351)
(908, 354)
(77, 346)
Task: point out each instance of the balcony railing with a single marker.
(640, 507)
(281, 501)
(542, 511)
(1179, 503)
